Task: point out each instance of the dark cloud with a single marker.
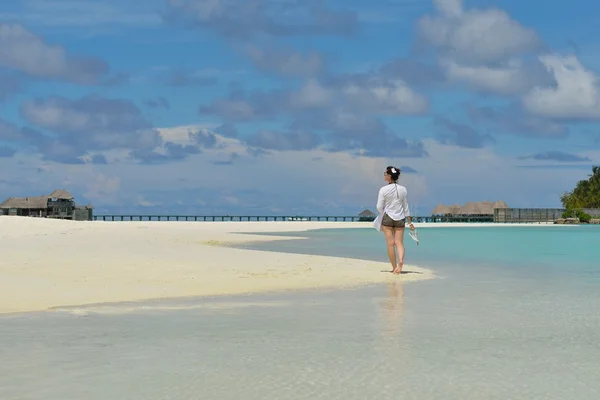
(74, 128)
(273, 140)
(9, 85)
(364, 94)
(179, 151)
(159, 102)
(555, 156)
(182, 77)
(9, 131)
(343, 131)
(201, 139)
(503, 78)
(99, 159)
(25, 52)
(227, 129)
(204, 138)
(512, 120)
(230, 161)
(241, 106)
(257, 152)
(413, 72)
(243, 19)
(7, 151)
(461, 135)
(88, 70)
(286, 62)
(173, 152)
(93, 114)
(337, 114)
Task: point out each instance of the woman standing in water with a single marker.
(392, 206)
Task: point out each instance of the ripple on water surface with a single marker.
(386, 342)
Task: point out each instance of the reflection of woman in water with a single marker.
(392, 310)
(392, 206)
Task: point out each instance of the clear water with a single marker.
(558, 249)
(514, 315)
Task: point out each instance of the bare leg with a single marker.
(388, 231)
(399, 242)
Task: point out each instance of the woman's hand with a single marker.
(411, 226)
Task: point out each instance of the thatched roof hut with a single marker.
(367, 213)
(471, 208)
(440, 209)
(26, 203)
(61, 194)
(500, 204)
(454, 208)
(481, 208)
(35, 202)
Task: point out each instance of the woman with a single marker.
(393, 215)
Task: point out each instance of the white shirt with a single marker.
(392, 201)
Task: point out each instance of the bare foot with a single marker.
(398, 269)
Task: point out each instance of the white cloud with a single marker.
(371, 96)
(293, 181)
(361, 94)
(24, 51)
(181, 134)
(482, 48)
(311, 94)
(476, 36)
(576, 95)
(392, 98)
(513, 78)
(450, 8)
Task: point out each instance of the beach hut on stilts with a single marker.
(367, 215)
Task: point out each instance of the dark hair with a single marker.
(393, 175)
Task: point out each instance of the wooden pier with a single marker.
(229, 218)
(220, 218)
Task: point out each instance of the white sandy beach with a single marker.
(51, 263)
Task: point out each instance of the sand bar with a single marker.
(51, 263)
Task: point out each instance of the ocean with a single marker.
(512, 314)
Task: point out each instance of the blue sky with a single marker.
(296, 107)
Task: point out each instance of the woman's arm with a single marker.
(406, 210)
(380, 202)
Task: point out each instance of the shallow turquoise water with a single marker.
(514, 317)
(561, 250)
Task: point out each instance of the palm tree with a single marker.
(586, 193)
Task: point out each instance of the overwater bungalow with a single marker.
(58, 204)
(482, 208)
(367, 215)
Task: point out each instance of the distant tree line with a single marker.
(586, 194)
